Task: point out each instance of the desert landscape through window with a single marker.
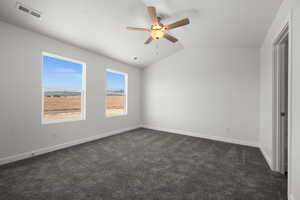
(115, 94)
(62, 89)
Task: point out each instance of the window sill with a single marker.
(113, 116)
(44, 122)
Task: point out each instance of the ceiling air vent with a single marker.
(28, 10)
(35, 14)
(24, 9)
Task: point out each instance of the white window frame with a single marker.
(83, 90)
(125, 93)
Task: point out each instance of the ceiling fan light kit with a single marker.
(157, 30)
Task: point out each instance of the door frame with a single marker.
(276, 139)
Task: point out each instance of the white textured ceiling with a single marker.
(99, 25)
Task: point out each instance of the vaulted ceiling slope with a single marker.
(100, 25)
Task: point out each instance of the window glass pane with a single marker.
(115, 94)
(62, 85)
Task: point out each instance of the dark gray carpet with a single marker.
(144, 165)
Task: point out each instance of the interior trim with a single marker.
(45, 150)
(195, 134)
(267, 158)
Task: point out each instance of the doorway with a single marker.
(281, 102)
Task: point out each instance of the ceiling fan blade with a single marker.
(148, 40)
(138, 29)
(178, 24)
(152, 14)
(170, 38)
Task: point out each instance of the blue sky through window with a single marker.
(61, 74)
(115, 81)
(58, 73)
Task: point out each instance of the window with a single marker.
(63, 87)
(116, 93)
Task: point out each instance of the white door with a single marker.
(283, 95)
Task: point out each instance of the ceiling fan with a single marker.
(157, 30)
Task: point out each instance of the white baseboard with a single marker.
(195, 134)
(41, 151)
(267, 158)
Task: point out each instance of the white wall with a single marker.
(295, 153)
(20, 85)
(266, 79)
(289, 7)
(205, 92)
